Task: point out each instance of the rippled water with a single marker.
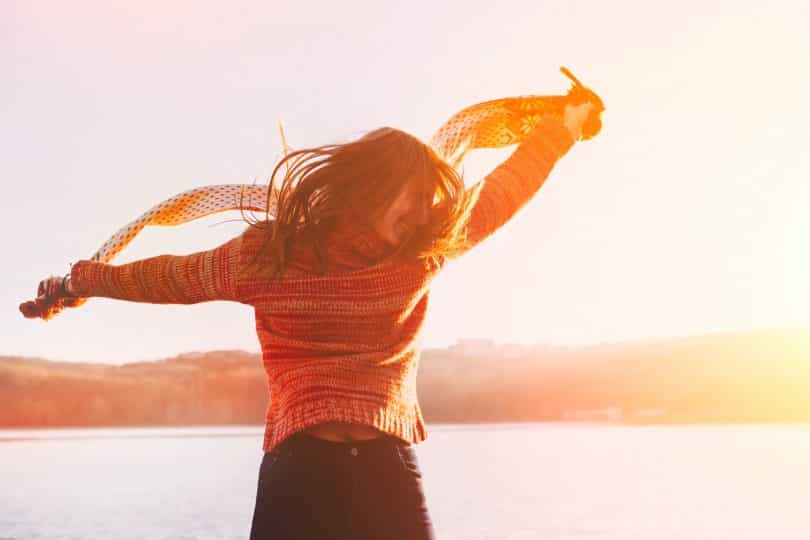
(516, 481)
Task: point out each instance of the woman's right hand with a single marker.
(575, 116)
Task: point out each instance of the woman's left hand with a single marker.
(50, 287)
(52, 297)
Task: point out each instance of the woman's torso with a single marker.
(352, 251)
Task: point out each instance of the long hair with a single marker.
(358, 180)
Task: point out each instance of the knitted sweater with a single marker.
(341, 346)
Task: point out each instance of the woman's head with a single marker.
(387, 179)
(404, 179)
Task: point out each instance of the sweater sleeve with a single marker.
(514, 182)
(164, 279)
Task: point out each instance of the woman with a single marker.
(339, 282)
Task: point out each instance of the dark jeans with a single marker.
(311, 488)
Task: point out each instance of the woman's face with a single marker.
(408, 211)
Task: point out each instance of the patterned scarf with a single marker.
(490, 124)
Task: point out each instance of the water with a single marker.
(517, 481)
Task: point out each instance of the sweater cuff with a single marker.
(84, 275)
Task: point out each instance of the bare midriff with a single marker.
(343, 432)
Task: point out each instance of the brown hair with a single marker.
(359, 180)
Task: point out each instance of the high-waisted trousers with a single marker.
(311, 488)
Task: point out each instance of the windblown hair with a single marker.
(358, 181)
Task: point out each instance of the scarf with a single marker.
(490, 124)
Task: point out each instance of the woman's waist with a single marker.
(343, 432)
(305, 444)
(396, 415)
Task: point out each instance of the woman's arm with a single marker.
(164, 279)
(513, 183)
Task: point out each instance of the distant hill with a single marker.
(222, 387)
(761, 376)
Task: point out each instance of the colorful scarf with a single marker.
(490, 124)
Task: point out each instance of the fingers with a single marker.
(580, 111)
(49, 287)
(583, 108)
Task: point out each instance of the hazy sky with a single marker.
(689, 213)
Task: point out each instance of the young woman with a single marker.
(339, 282)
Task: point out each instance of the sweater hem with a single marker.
(408, 427)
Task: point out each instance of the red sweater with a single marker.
(343, 346)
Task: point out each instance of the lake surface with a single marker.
(504, 482)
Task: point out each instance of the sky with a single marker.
(687, 215)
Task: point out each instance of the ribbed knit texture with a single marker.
(343, 346)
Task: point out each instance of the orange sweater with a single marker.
(340, 347)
